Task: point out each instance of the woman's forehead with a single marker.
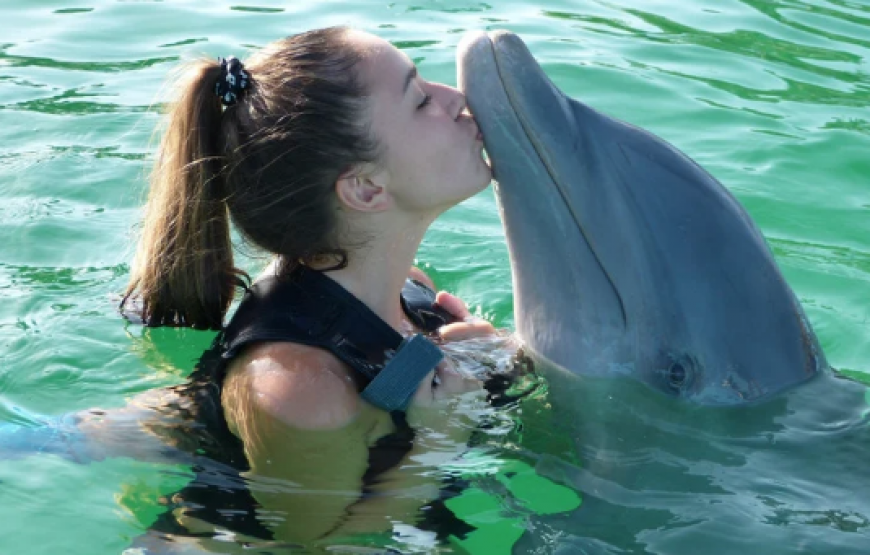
(384, 66)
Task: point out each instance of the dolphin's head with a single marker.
(626, 255)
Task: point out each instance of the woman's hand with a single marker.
(446, 396)
(441, 387)
(443, 412)
(467, 327)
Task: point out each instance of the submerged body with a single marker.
(657, 476)
(232, 485)
(626, 256)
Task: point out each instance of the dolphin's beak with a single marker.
(523, 98)
(530, 132)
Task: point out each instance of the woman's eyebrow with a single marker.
(408, 78)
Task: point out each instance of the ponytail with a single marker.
(183, 270)
(269, 160)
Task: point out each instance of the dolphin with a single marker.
(627, 257)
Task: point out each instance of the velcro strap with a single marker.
(397, 382)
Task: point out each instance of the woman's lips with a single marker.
(475, 128)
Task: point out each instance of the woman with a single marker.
(328, 150)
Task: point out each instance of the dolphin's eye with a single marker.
(677, 375)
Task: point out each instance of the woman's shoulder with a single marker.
(298, 385)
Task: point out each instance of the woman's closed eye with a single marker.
(426, 100)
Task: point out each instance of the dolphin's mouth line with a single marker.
(559, 188)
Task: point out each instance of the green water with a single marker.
(772, 97)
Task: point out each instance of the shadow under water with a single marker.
(655, 474)
(658, 475)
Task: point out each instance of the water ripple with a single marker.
(778, 12)
(12, 60)
(772, 96)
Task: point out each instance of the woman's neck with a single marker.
(376, 272)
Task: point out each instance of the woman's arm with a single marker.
(441, 429)
(306, 434)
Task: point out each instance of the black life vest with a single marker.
(310, 309)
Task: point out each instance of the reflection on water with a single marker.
(569, 463)
(663, 477)
(596, 463)
(796, 64)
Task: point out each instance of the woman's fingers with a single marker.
(467, 327)
(452, 381)
(458, 331)
(452, 304)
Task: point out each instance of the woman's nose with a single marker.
(453, 101)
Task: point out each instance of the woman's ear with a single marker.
(363, 191)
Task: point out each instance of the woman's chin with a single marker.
(488, 176)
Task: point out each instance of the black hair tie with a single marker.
(233, 80)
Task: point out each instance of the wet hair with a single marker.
(268, 163)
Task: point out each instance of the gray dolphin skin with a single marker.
(626, 256)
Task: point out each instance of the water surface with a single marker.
(772, 97)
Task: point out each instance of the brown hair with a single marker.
(268, 162)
